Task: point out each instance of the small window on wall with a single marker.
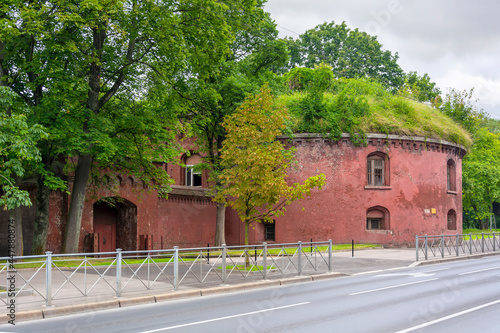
(270, 231)
(452, 220)
(192, 174)
(377, 218)
(377, 169)
(451, 176)
(193, 177)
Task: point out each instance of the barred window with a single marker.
(375, 171)
(377, 218)
(270, 231)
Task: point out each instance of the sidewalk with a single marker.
(69, 300)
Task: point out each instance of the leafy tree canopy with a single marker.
(421, 88)
(18, 151)
(481, 175)
(256, 163)
(461, 107)
(350, 53)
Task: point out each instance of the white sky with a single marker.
(456, 42)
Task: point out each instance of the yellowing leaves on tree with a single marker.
(256, 164)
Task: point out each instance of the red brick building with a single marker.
(386, 192)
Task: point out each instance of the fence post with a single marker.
(118, 272)
(264, 260)
(456, 246)
(416, 246)
(300, 259)
(425, 250)
(482, 242)
(224, 253)
(48, 278)
(470, 243)
(442, 245)
(329, 255)
(494, 241)
(176, 267)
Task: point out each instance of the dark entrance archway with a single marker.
(116, 222)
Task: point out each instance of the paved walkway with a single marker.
(70, 300)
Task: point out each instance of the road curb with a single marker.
(177, 295)
(52, 312)
(293, 280)
(450, 259)
(136, 301)
(28, 315)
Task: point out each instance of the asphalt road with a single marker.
(461, 296)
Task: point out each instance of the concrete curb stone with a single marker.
(326, 276)
(261, 284)
(136, 301)
(29, 315)
(60, 311)
(294, 280)
(177, 295)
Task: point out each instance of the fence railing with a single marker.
(455, 245)
(50, 277)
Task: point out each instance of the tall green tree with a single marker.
(350, 53)
(421, 88)
(75, 61)
(19, 157)
(481, 176)
(254, 54)
(461, 106)
(256, 164)
(24, 66)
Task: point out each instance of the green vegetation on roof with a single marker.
(359, 106)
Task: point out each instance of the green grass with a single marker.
(477, 233)
(388, 114)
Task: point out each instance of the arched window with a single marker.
(452, 220)
(451, 176)
(377, 218)
(192, 175)
(377, 169)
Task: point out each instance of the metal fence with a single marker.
(456, 245)
(51, 277)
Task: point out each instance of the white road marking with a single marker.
(418, 274)
(390, 287)
(223, 318)
(480, 270)
(415, 275)
(449, 317)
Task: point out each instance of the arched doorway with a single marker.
(116, 222)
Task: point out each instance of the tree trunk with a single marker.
(41, 217)
(72, 239)
(220, 237)
(82, 173)
(247, 255)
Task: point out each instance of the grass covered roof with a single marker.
(357, 107)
